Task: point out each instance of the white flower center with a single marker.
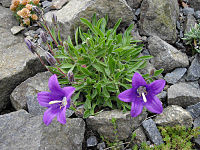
(142, 92)
(63, 102)
(144, 97)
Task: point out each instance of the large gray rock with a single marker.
(194, 69)
(152, 131)
(189, 23)
(175, 75)
(195, 4)
(5, 3)
(140, 136)
(19, 130)
(58, 4)
(174, 115)
(125, 124)
(17, 63)
(158, 17)
(7, 18)
(77, 9)
(24, 96)
(183, 94)
(165, 55)
(134, 3)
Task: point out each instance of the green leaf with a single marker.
(158, 72)
(86, 71)
(116, 25)
(99, 67)
(66, 65)
(105, 92)
(108, 102)
(76, 96)
(86, 113)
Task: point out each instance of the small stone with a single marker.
(197, 14)
(152, 131)
(183, 94)
(178, 25)
(194, 110)
(197, 124)
(91, 141)
(101, 146)
(195, 4)
(174, 115)
(137, 12)
(179, 45)
(162, 96)
(140, 136)
(188, 10)
(194, 71)
(16, 29)
(189, 23)
(46, 4)
(175, 75)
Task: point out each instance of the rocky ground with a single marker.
(160, 24)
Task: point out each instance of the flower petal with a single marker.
(153, 104)
(136, 107)
(61, 116)
(54, 85)
(128, 95)
(49, 114)
(138, 80)
(44, 98)
(68, 91)
(156, 87)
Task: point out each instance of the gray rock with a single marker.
(140, 136)
(183, 94)
(5, 3)
(24, 96)
(125, 124)
(174, 115)
(17, 63)
(135, 34)
(152, 131)
(101, 146)
(175, 75)
(58, 4)
(91, 141)
(162, 96)
(158, 17)
(197, 124)
(165, 55)
(195, 4)
(197, 14)
(134, 3)
(188, 11)
(189, 23)
(195, 84)
(137, 12)
(19, 130)
(194, 110)
(17, 29)
(77, 9)
(7, 18)
(194, 71)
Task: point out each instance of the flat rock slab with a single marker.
(19, 130)
(165, 55)
(158, 17)
(102, 123)
(183, 94)
(174, 115)
(152, 131)
(77, 9)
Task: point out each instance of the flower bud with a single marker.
(30, 45)
(36, 10)
(70, 76)
(54, 19)
(50, 59)
(43, 36)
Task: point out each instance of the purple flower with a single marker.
(57, 101)
(30, 45)
(143, 94)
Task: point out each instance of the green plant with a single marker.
(103, 63)
(193, 38)
(175, 138)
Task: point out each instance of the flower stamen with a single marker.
(63, 102)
